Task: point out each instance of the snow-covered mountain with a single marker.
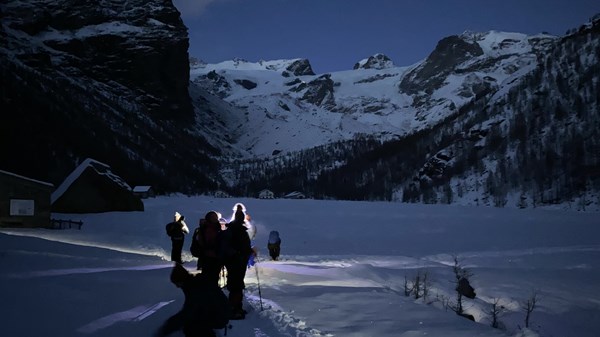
(287, 109)
(490, 118)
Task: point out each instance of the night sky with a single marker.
(335, 34)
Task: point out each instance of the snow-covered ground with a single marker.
(342, 270)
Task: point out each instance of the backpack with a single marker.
(239, 240)
(226, 247)
(172, 228)
(196, 247)
(204, 240)
(274, 237)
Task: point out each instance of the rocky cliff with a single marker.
(101, 79)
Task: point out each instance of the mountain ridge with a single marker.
(358, 99)
(494, 118)
(76, 85)
(452, 150)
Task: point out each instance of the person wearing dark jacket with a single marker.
(236, 261)
(208, 237)
(205, 306)
(177, 231)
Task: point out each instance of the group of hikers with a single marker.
(220, 246)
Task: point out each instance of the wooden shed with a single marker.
(24, 202)
(221, 194)
(94, 188)
(144, 192)
(295, 195)
(266, 194)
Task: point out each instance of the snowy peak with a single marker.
(377, 61)
(447, 55)
(224, 79)
(299, 67)
(486, 119)
(376, 97)
(496, 43)
(472, 64)
(294, 67)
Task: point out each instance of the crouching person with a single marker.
(205, 306)
(274, 245)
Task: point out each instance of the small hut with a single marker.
(295, 195)
(24, 202)
(221, 194)
(266, 194)
(144, 192)
(93, 188)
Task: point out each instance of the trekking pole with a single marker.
(258, 282)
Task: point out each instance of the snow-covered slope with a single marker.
(289, 110)
(492, 118)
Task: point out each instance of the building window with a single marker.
(21, 207)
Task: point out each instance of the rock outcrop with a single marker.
(118, 45)
(101, 79)
(430, 75)
(377, 61)
(299, 68)
(320, 92)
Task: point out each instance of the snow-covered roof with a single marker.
(141, 189)
(294, 194)
(25, 178)
(100, 168)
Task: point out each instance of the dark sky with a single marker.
(335, 34)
